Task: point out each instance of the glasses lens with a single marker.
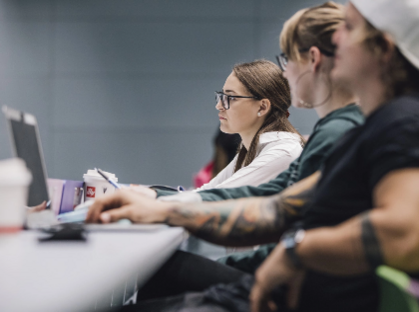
(217, 98)
(225, 101)
(278, 61)
(223, 98)
(283, 61)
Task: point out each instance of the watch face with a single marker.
(299, 236)
(290, 240)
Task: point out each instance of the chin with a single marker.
(224, 130)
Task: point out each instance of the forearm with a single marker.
(270, 188)
(219, 194)
(334, 250)
(244, 222)
(348, 248)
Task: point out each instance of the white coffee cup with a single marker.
(14, 188)
(95, 186)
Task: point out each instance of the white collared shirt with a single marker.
(275, 152)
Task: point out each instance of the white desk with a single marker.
(70, 276)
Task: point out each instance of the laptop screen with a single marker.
(24, 133)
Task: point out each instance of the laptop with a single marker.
(26, 144)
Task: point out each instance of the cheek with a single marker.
(347, 62)
(242, 118)
(357, 62)
(291, 77)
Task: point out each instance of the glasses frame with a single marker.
(282, 58)
(219, 97)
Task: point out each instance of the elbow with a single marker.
(403, 252)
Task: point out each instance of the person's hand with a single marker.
(38, 208)
(276, 270)
(140, 189)
(125, 204)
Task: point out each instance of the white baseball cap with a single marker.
(399, 18)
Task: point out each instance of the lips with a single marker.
(221, 117)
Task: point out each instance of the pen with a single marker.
(107, 178)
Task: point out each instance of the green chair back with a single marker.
(393, 289)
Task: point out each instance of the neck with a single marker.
(369, 95)
(339, 98)
(247, 137)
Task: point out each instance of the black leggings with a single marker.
(186, 272)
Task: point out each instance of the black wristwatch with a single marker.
(290, 239)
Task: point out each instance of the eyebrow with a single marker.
(229, 91)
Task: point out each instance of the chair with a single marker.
(394, 288)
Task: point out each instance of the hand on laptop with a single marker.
(126, 204)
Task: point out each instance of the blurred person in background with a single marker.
(225, 149)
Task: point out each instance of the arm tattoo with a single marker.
(246, 222)
(372, 248)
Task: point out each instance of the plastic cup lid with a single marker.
(93, 174)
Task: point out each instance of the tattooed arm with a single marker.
(388, 234)
(243, 222)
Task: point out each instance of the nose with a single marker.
(219, 106)
(284, 74)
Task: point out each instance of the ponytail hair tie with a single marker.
(288, 114)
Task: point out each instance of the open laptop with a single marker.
(26, 143)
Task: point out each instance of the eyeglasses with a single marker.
(282, 59)
(225, 98)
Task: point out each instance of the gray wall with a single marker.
(128, 85)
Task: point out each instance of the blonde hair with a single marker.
(311, 27)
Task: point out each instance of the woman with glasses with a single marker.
(307, 59)
(254, 103)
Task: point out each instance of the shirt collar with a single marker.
(272, 136)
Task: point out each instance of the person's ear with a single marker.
(389, 48)
(264, 107)
(315, 57)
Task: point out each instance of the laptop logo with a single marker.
(91, 191)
